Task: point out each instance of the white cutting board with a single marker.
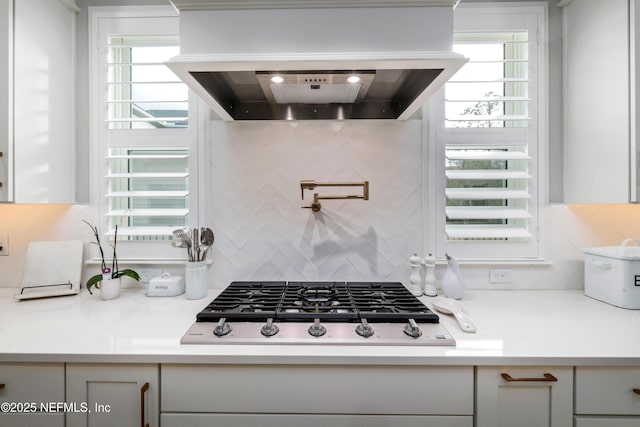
(52, 263)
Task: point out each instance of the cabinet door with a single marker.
(620, 385)
(527, 397)
(390, 390)
(44, 102)
(26, 387)
(597, 104)
(606, 421)
(114, 395)
(277, 420)
(6, 94)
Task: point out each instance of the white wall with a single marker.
(253, 201)
(253, 204)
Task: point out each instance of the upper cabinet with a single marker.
(6, 97)
(600, 103)
(37, 115)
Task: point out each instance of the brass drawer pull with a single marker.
(143, 390)
(547, 378)
(636, 390)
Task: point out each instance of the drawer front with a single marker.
(606, 421)
(317, 389)
(39, 383)
(607, 390)
(272, 420)
(31, 384)
(510, 395)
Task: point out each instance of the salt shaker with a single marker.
(415, 282)
(429, 262)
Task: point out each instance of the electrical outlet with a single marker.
(146, 274)
(501, 276)
(4, 244)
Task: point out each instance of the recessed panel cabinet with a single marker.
(44, 102)
(25, 388)
(6, 96)
(601, 76)
(524, 396)
(316, 396)
(37, 101)
(114, 395)
(607, 396)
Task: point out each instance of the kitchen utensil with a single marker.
(196, 244)
(186, 238)
(206, 238)
(451, 306)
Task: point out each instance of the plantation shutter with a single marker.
(142, 92)
(148, 191)
(491, 90)
(489, 134)
(487, 193)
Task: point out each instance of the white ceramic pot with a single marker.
(110, 289)
(195, 280)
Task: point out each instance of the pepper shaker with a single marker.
(414, 278)
(429, 263)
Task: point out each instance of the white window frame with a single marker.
(142, 251)
(479, 17)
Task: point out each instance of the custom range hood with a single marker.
(315, 59)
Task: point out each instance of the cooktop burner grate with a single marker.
(350, 302)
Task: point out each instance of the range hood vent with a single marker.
(310, 60)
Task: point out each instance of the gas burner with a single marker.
(317, 299)
(317, 312)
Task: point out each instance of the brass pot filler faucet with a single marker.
(316, 206)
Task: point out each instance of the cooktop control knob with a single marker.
(412, 329)
(364, 329)
(222, 328)
(317, 330)
(269, 329)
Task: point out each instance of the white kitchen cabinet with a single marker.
(275, 420)
(25, 387)
(607, 422)
(116, 395)
(283, 395)
(6, 95)
(600, 49)
(607, 396)
(43, 147)
(524, 397)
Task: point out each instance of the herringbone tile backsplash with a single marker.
(253, 200)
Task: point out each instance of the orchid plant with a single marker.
(114, 271)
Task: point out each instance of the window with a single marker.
(145, 142)
(148, 191)
(489, 134)
(142, 92)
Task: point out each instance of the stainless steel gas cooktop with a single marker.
(353, 313)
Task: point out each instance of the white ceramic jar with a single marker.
(195, 279)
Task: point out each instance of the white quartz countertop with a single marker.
(513, 327)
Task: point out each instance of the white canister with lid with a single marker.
(612, 274)
(165, 286)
